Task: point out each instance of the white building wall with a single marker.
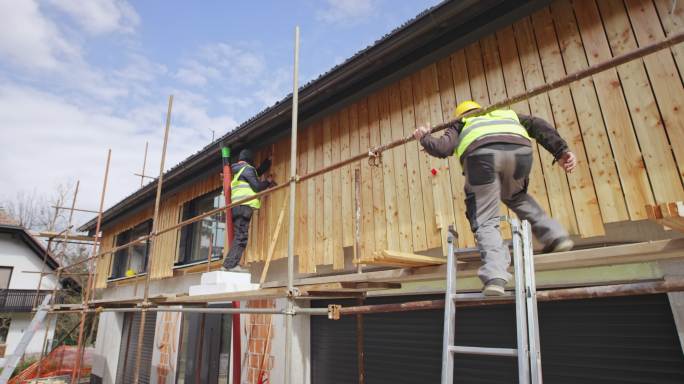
(301, 356)
(15, 253)
(107, 345)
(20, 322)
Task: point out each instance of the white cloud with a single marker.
(346, 12)
(140, 68)
(222, 63)
(29, 40)
(47, 139)
(195, 73)
(100, 16)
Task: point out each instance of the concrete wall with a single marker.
(15, 253)
(179, 284)
(106, 354)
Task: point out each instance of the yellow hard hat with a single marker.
(464, 107)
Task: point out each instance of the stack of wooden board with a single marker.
(401, 259)
(670, 215)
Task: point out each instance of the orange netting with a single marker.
(60, 362)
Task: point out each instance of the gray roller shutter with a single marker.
(129, 346)
(614, 340)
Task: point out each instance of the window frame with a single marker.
(117, 271)
(9, 279)
(187, 235)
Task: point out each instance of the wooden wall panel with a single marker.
(623, 124)
(662, 71)
(388, 167)
(441, 181)
(456, 180)
(496, 91)
(367, 222)
(657, 163)
(425, 162)
(311, 186)
(103, 265)
(377, 177)
(515, 85)
(337, 253)
(626, 152)
(413, 168)
(400, 169)
(301, 249)
(460, 75)
(581, 184)
(595, 138)
(282, 175)
(556, 182)
(328, 217)
(347, 204)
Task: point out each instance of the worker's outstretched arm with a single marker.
(264, 166)
(548, 137)
(442, 146)
(250, 175)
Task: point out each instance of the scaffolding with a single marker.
(291, 291)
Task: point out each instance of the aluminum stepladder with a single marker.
(527, 322)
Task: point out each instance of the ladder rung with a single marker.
(480, 297)
(511, 352)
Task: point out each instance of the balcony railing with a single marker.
(20, 300)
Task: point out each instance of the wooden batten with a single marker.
(401, 259)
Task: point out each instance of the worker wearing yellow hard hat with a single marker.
(464, 107)
(495, 150)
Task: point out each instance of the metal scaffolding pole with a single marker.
(58, 275)
(155, 226)
(290, 312)
(75, 376)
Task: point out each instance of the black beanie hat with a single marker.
(246, 155)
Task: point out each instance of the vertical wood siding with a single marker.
(624, 125)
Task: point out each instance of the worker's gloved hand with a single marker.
(269, 178)
(568, 161)
(421, 131)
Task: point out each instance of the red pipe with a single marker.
(237, 342)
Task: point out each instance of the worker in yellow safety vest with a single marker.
(495, 151)
(246, 182)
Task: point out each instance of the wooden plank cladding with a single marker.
(623, 124)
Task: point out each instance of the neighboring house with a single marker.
(21, 255)
(624, 124)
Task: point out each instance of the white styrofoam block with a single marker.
(222, 282)
(208, 289)
(196, 290)
(218, 277)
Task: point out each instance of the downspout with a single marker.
(237, 342)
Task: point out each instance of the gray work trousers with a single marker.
(494, 174)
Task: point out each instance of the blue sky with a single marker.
(78, 77)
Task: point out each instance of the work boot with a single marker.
(494, 287)
(238, 269)
(561, 244)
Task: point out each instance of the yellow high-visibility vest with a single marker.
(500, 121)
(240, 189)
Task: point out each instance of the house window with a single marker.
(195, 238)
(5, 275)
(132, 260)
(4, 331)
(204, 352)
